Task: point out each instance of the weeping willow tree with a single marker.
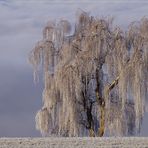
(95, 77)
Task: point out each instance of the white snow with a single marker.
(115, 142)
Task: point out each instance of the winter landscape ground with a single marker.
(115, 142)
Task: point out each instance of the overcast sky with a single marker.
(21, 24)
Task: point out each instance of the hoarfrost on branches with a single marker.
(96, 80)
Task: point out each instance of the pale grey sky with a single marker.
(21, 24)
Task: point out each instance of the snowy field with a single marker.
(74, 142)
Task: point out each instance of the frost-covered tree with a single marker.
(95, 79)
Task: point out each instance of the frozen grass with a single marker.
(115, 142)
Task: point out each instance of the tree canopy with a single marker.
(95, 77)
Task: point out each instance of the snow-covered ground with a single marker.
(115, 142)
